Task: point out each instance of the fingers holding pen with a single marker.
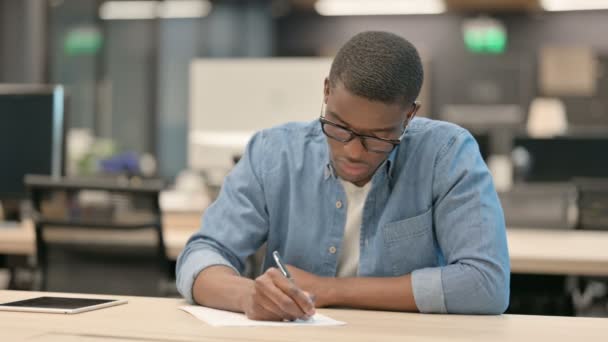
(267, 286)
(297, 295)
(274, 297)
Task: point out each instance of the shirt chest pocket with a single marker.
(410, 243)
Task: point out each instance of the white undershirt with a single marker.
(348, 261)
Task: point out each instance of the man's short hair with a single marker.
(379, 66)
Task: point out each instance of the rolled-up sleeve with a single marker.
(233, 227)
(470, 230)
(428, 290)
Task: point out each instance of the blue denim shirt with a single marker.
(432, 211)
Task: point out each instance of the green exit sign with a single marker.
(82, 41)
(485, 35)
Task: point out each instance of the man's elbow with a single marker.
(489, 297)
(493, 297)
(495, 305)
(489, 303)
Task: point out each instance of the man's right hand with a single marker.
(272, 297)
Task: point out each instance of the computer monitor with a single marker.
(231, 99)
(563, 158)
(32, 136)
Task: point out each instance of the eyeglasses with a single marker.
(370, 143)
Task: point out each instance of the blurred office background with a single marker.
(152, 92)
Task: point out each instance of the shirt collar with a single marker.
(390, 161)
(388, 165)
(329, 170)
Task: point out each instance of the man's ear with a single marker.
(414, 111)
(326, 87)
(411, 114)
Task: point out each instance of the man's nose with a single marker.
(354, 149)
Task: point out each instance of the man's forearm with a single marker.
(220, 287)
(270, 297)
(393, 293)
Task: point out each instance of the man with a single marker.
(370, 207)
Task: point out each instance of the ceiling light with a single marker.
(184, 9)
(378, 7)
(124, 10)
(170, 9)
(570, 5)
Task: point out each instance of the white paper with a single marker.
(219, 318)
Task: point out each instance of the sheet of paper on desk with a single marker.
(219, 318)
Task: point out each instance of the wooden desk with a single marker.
(534, 251)
(158, 319)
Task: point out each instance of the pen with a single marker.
(285, 271)
(281, 266)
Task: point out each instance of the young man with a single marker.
(370, 207)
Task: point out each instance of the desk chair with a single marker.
(99, 250)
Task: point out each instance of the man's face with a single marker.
(352, 162)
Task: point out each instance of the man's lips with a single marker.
(353, 167)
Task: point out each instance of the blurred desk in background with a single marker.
(567, 252)
(177, 228)
(18, 241)
(532, 251)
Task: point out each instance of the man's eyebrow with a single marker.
(379, 130)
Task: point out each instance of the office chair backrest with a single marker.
(99, 237)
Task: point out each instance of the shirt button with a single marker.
(332, 250)
(339, 204)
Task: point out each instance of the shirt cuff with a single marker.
(194, 263)
(428, 290)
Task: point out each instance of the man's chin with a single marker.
(359, 179)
